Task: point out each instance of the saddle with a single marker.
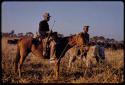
(47, 41)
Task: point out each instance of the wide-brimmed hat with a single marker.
(86, 26)
(46, 14)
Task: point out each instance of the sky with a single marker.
(105, 18)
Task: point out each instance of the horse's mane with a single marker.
(70, 36)
(67, 37)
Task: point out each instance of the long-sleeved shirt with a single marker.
(43, 27)
(86, 36)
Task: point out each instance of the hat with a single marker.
(86, 26)
(46, 14)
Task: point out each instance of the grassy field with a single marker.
(36, 70)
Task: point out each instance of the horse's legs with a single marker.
(52, 50)
(16, 60)
(57, 67)
(23, 55)
(97, 59)
(85, 60)
(71, 60)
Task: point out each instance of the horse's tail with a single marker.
(17, 58)
(14, 41)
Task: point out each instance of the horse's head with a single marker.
(77, 39)
(80, 40)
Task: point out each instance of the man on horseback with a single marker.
(45, 32)
(86, 35)
(85, 48)
(81, 50)
(43, 25)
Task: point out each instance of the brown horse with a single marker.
(66, 43)
(28, 44)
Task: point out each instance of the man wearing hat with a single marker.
(45, 32)
(44, 28)
(85, 49)
(43, 25)
(86, 35)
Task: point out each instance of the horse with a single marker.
(26, 45)
(87, 54)
(67, 43)
(77, 53)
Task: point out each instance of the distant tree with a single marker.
(20, 35)
(122, 41)
(29, 34)
(101, 38)
(11, 33)
(113, 40)
(95, 38)
(5, 34)
(71, 34)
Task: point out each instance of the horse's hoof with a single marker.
(19, 76)
(56, 78)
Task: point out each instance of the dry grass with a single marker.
(36, 70)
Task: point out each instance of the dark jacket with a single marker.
(86, 36)
(43, 26)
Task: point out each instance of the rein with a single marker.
(62, 52)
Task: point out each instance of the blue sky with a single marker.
(104, 18)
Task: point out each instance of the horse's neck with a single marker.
(72, 40)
